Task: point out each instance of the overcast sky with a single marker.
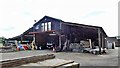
(16, 16)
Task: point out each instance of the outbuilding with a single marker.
(49, 30)
(52, 31)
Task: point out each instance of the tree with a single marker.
(2, 40)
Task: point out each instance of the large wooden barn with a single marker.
(51, 30)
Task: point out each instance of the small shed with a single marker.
(111, 42)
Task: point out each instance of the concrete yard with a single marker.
(20, 54)
(85, 59)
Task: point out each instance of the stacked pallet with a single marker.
(39, 61)
(53, 63)
(25, 60)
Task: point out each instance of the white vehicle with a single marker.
(96, 50)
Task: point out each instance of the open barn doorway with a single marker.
(46, 40)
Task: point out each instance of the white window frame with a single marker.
(49, 25)
(42, 27)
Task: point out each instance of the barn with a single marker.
(49, 30)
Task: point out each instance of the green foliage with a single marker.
(2, 39)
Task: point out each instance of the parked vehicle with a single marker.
(49, 45)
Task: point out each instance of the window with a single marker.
(37, 27)
(45, 26)
(42, 27)
(49, 25)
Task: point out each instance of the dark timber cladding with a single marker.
(52, 30)
(82, 32)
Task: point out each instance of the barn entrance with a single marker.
(46, 40)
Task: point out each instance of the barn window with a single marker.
(45, 26)
(49, 25)
(42, 26)
(37, 27)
